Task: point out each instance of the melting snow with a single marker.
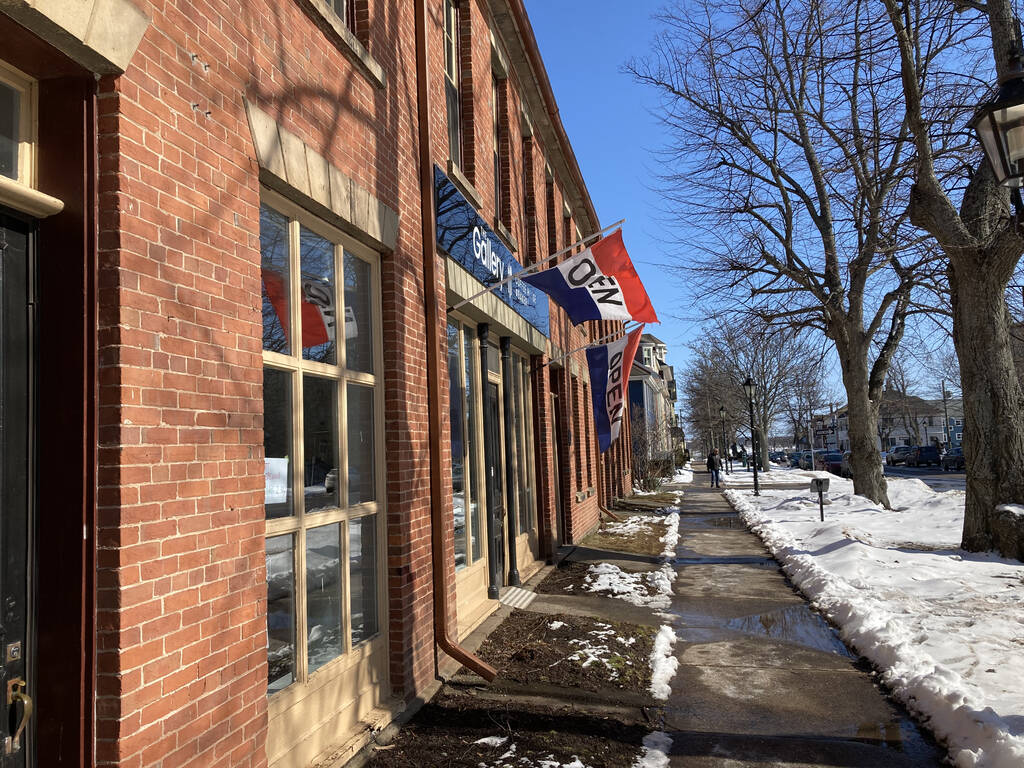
(656, 748)
(663, 663)
(652, 588)
(944, 626)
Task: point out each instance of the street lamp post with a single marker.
(945, 418)
(749, 388)
(725, 444)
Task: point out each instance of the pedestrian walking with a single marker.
(714, 467)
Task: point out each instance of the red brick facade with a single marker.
(180, 603)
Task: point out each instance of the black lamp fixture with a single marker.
(750, 389)
(999, 124)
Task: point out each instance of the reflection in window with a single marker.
(280, 613)
(362, 544)
(320, 438)
(274, 270)
(455, 412)
(358, 315)
(10, 117)
(316, 263)
(527, 518)
(473, 489)
(360, 444)
(323, 595)
(277, 442)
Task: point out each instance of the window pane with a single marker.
(522, 462)
(528, 519)
(320, 438)
(358, 315)
(10, 117)
(280, 613)
(470, 358)
(455, 413)
(318, 324)
(277, 442)
(362, 548)
(361, 485)
(323, 595)
(274, 256)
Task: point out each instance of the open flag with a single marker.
(609, 379)
(598, 284)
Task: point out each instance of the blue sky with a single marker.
(608, 117)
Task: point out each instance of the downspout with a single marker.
(438, 551)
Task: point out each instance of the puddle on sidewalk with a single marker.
(698, 522)
(795, 624)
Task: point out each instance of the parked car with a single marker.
(953, 460)
(806, 460)
(831, 461)
(819, 459)
(778, 457)
(845, 469)
(794, 459)
(898, 455)
(923, 455)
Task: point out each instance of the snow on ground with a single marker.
(944, 626)
(600, 651)
(509, 759)
(671, 537)
(663, 663)
(684, 475)
(651, 588)
(657, 745)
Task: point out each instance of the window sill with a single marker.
(464, 185)
(345, 41)
(505, 235)
(28, 200)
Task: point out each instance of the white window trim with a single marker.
(304, 683)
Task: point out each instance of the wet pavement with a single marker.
(763, 680)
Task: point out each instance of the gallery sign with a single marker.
(466, 238)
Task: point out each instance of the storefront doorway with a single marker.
(17, 237)
(493, 431)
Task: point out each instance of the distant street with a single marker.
(934, 477)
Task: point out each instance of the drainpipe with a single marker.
(510, 475)
(438, 552)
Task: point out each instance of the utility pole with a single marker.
(945, 417)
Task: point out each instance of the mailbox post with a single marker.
(820, 484)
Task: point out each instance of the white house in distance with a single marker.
(652, 394)
(903, 420)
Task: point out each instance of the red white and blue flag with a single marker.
(609, 381)
(598, 284)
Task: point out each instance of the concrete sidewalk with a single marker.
(763, 680)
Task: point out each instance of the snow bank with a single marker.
(663, 663)
(671, 537)
(943, 626)
(657, 746)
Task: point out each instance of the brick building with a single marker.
(229, 538)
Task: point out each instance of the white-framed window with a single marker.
(453, 79)
(346, 11)
(959, 436)
(322, 442)
(17, 125)
(466, 411)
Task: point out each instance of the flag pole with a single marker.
(625, 330)
(535, 267)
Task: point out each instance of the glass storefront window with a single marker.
(320, 449)
(277, 442)
(276, 279)
(362, 544)
(359, 331)
(456, 417)
(320, 439)
(10, 123)
(318, 307)
(471, 359)
(323, 596)
(280, 612)
(361, 481)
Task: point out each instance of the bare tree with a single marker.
(983, 245)
(800, 172)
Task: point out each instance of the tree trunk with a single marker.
(993, 408)
(862, 416)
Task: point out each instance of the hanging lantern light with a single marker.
(999, 124)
